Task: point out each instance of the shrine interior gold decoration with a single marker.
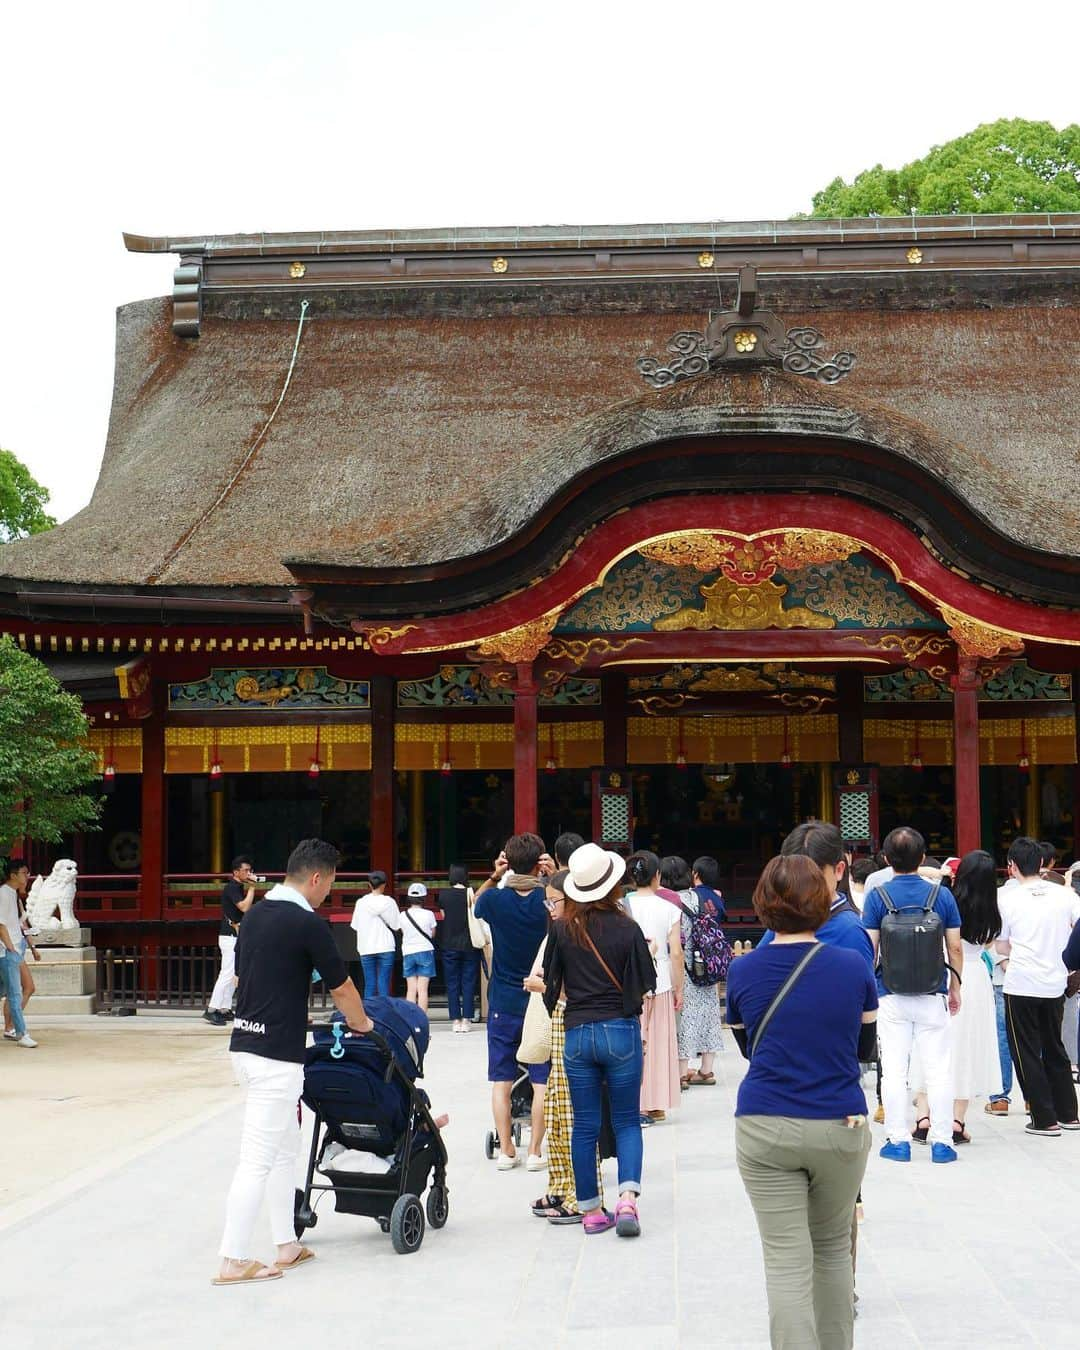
(730, 605)
(911, 645)
(914, 255)
(579, 650)
(700, 549)
(652, 704)
(705, 259)
(378, 638)
(803, 548)
(750, 561)
(297, 270)
(499, 264)
(521, 645)
(978, 639)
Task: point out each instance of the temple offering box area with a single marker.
(674, 535)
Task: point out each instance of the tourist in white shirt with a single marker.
(417, 946)
(13, 944)
(1037, 918)
(376, 920)
(661, 923)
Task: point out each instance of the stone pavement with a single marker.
(980, 1253)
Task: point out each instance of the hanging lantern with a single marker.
(785, 753)
(551, 764)
(1023, 759)
(916, 757)
(315, 768)
(680, 758)
(108, 772)
(216, 771)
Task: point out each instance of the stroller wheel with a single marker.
(438, 1206)
(490, 1144)
(304, 1217)
(407, 1225)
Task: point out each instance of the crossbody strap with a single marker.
(410, 918)
(595, 953)
(782, 994)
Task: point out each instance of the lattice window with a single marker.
(614, 817)
(855, 816)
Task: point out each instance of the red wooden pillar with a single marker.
(966, 755)
(152, 884)
(526, 806)
(613, 696)
(383, 833)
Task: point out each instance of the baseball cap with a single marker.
(417, 890)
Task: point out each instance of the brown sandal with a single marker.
(685, 1081)
(249, 1275)
(699, 1079)
(304, 1254)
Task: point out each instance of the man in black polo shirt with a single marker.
(282, 943)
(237, 897)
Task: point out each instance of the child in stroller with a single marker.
(364, 1097)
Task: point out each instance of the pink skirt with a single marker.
(660, 1077)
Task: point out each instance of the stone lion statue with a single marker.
(56, 891)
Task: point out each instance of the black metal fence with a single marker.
(167, 977)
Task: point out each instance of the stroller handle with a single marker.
(372, 1035)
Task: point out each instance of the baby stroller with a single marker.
(521, 1095)
(362, 1092)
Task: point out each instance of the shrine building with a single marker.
(671, 535)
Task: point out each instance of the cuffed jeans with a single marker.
(1003, 1047)
(221, 998)
(461, 970)
(595, 1054)
(11, 989)
(802, 1177)
(377, 972)
(268, 1146)
(906, 1020)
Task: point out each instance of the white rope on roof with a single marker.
(189, 534)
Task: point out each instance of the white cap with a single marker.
(594, 873)
(417, 890)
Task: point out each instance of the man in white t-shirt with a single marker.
(376, 921)
(417, 946)
(13, 944)
(1037, 918)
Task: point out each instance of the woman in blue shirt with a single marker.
(803, 1014)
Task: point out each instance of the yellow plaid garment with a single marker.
(559, 1121)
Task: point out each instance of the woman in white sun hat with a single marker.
(598, 959)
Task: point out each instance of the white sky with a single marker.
(228, 115)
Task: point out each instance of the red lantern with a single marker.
(1023, 760)
(785, 753)
(447, 766)
(109, 775)
(315, 768)
(680, 758)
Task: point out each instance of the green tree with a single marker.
(44, 760)
(22, 500)
(1000, 167)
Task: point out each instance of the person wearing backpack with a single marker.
(707, 956)
(803, 1014)
(911, 923)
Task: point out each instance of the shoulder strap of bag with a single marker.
(410, 918)
(782, 994)
(607, 968)
(931, 899)
(887, 899)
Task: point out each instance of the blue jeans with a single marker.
(377, 972)
(1003, 1047)
(461, 970)
(595, 1054)
(11, 988)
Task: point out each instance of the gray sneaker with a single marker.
(27, 1042)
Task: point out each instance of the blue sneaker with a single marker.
(942, 1153)
(898, 1152)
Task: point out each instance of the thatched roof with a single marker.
(407, 439)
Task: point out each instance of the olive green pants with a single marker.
(802, 1177)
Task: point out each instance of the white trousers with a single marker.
(906, 1020)
(221, 998)
(268, 1148)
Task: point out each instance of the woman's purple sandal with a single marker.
(627, 1223)
(598, 1221)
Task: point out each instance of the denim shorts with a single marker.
(504, 1041)
(419, 963)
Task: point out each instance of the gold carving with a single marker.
(652, 704)
(730, 605)
(297, 270)
(705, 259)
(978, 639)
(380, 638)
(804, 548)
(499, 264)
(579, 650)
(700, 549)
(914, 255)
(803, 702)
(521, 645)
(723, 680)
(911, 646)
(745, 340)
(248, 691)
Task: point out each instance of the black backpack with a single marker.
(912, 946)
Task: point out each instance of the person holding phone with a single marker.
(237, 897)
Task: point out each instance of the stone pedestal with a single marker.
(66, 976)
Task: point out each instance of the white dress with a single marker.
(976, 1067)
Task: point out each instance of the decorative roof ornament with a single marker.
(746, 336)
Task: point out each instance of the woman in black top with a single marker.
(598, 960)
(461, 960)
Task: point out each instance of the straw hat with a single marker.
(594, 873)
